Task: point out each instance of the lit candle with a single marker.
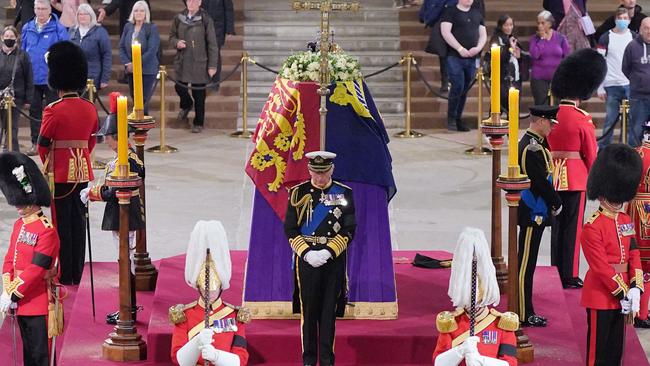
(122, 137)
(513, 133)
(136, 55)
(495, 79)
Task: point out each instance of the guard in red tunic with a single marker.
(494, 342)
(223, 342)
(32, 253)
(614, 281)
(640, 214)
(573, 147)
(65, 142)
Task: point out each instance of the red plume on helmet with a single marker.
(113, 101)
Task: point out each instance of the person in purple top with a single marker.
(547, 49)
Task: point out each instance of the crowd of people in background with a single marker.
(198, 33)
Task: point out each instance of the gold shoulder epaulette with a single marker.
(298, 185)
(446, 322)
(243, 313)
(507, 321)
(134, 156)
(342, 185)
(593, 217)
(46, 222)
(533, 145)
(177, 312)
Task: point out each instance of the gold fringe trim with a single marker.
(357, 310)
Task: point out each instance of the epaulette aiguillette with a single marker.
(243, 313)
(533, 145)
(298, 185)
(134, 156)
(342, 185)
(593, 217)
(177, 312)
(446, 320)
(507, 321)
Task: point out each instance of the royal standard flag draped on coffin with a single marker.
(289, 127)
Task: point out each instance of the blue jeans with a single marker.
(639, 114)
(615, 95)
(462, 72)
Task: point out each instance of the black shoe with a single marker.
(641, 323)
(112, 318)
(460, 126)
(573, 283)
(196, 129)
(182, 114)
(444, 88)
(534, 321)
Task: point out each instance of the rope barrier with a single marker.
(263, 66)
(101, 104)
(208, 85)
(384, 69)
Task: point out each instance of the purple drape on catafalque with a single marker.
(269, 276)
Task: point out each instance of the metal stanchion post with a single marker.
(162, 148)
(479, 149)
(625, 109)
(408, 132)
(244, 133)
(8, 103)
(90, 91)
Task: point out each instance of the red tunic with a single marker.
(68, 127)
(32, 251)
(233, 342)
(494, 341)
(573, 145)
(614, 264)
(640, 209)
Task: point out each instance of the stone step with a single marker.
(339, 17)
(283, 4)
(366, 58)
(376, 43)
(310, 29)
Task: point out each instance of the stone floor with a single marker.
(440, 190)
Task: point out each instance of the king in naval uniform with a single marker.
(320, 225)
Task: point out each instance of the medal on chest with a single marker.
(224, 325)
(333, 199)
(626, 229)
(27, 238)
(489, 337)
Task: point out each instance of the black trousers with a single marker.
(33, 331)
(197, 98)
(605, 337)
(539, 89)
(71, 226)
(36, 108)
(319, 292)
(529, 239)
(565, 236)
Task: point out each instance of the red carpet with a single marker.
(422, 293)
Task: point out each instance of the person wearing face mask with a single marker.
(223, 343)
(616, 86)
(15, 77)
(636, 67)
(633, 10)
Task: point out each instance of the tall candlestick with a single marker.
(136, 54)
(513, 137)
(495, 79)
(122, 138)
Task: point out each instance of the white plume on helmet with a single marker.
(472, 242)
(208, 234)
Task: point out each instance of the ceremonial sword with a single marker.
(13, 334)
(206, 296)
(90, 261)
(472, 304)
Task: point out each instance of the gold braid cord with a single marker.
(302, 205)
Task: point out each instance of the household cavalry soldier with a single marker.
(223, 342)
(536, 206)
(614, 280)
(573, 146)
(29, 269)
(494, 342)
(640, 214)
(103, 193)
(65, 142)
(320, 225)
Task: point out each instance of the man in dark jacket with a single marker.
(636, 67)
(125, 7)
(636, 16)
(223, 15)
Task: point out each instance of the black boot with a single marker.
(460, 126)
(641, 323)
(112, 318)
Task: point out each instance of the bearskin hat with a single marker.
(579, 75)
(67, 67)
(21, 182)
(615, 175)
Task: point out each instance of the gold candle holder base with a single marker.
(495, 120)
(141, 123)
(162, 149)
(243, 134)
(408, 134)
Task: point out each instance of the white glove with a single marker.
(556, 212)
(451, 357)
(205, 337)
(626, 305)
(5, 302)
(314, 259)
(83, 195)
(470, 346)
(324, 255)
(475, 359)
(634, 295)
(209, 353)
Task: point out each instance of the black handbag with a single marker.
(436, 44)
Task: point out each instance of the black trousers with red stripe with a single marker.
(529, 240)
(605, 337)
(565, 236)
